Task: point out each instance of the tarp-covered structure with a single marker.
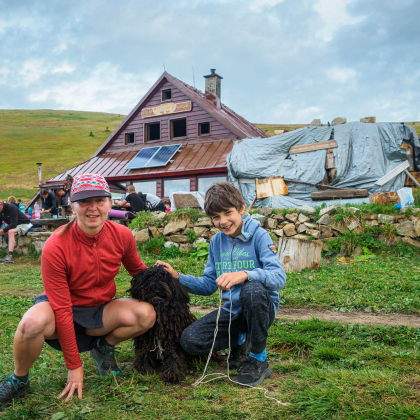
(365, 153)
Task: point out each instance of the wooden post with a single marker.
(297, 254)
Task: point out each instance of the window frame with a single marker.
(170, 128)
(145, 136)
(198, 128)
(125, 138)
(175, 179)
(145, 181)
(163, 91)
(210, 176)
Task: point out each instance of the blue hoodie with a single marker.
(253, 252)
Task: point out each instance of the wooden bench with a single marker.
(49, 224)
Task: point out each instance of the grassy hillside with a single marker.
(58, 139)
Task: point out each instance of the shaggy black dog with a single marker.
(159, 348)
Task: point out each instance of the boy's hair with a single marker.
(221, 196)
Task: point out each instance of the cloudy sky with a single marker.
(282, 61)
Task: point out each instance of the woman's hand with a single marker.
(168, 268)
(74, 381)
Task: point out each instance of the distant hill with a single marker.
(60, 140)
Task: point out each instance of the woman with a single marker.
(77, 312)
(12, 199)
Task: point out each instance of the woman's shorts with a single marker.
(83, 317)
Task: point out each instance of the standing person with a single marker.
(49, 202)
(15, 221)
(78, 311)
(133, 200)
(64, 203)
(243, 264)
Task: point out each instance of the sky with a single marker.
(282, 61)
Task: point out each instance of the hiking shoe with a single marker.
(8, 259)
(253, 372)
(104, 356)
(239, 354)
(10, 388)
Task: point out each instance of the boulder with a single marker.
(406, 229)
(174, 227)
(279, 232)
(185, 247)
(179, 239)
(270, 223)
(259, 218)
(204, 221)
(316, 122)
(325, 220)
(302, 218)
(311, 225)
(279, 217)
(199, 230)
(300, 236)
(289, 229)
(370, 217)
(416, 223)
(313, 232)
(339, 120)
(326, 234)
(142, 235)
(168, 244)
(302, 228)
(327, 210)
(154, 231)
(292, 217)
(411, 242)
(198, 241)
(371, 223)
(353, 225)
(159, 215)
(213, 231)
(38, 245)
(266, 211)
(385, 219)
(307, 209)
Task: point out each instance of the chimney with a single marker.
(213, 83)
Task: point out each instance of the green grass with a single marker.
(58, 139)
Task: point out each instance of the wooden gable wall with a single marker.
(196, 115)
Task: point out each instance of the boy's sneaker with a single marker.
(253, 372)
(11, 387)
(104, 356)
(8, 259)
(239, 354)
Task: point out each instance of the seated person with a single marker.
(133, 200)
(64, 203)
(49, 202)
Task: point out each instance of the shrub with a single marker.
(171, 252)
(188, 213)
(142, 220)
(192, 236)
(201, 252)
(153, 245)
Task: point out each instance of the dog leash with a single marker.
(219, 375)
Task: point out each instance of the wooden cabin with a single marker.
(143, 150)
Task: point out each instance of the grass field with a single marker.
(325, 370)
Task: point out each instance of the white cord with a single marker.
(223, 375)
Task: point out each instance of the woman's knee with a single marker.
(35, 324)
(146, 316)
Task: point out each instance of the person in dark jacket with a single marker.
(133, 200)
(15, 221)
(49, 202)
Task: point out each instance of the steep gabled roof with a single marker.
(234, 122)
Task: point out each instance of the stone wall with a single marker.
(23, 243)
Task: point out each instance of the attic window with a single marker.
(152, 131)
(203, 128)
(178, 128)
(166, 95)
(129, 138)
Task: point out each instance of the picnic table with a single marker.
(49, 224)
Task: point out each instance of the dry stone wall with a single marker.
(23, 243)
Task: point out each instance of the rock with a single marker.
(168, 244)
(411, 242)
(292, 217)
(389, 240)
(412, 210)
(270, 223)
(161, 230)
(372, 223)
(279, 232)
(313, 232)
(302, 218)
(259, 218)
(352, 209)
(327, 210)
(370, 217)
(371, 120)
(174, 227)
(25, 250)
(198, 241)
(324, 220)
(38, 245)
(160, 215)
(300, 236)
(339, 228)
(316, 122)
(154, 231)
(142, 235)
(289, 229)
(200, 230)
(385, 219)
(185, 247)
(20, 241)
(266, 211)
(416, 223)
(311, 225)
(339, 120)
(204, 221)
(353, 225)
(406, 229)
(213, 231)
(302, 228)
(179, 239)
(279, 217)
(282, 224)
(307, 209)
(327, 234)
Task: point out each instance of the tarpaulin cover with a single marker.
(365, 153)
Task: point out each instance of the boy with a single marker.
(242, 260)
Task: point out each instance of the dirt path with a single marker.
(386, 320)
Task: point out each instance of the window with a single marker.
(174, 185)
(203, 128)
(204, 183)
(129, 138)
(166, 95)
(178, 128)
(146, 187)
(118, 195)
(152, 131)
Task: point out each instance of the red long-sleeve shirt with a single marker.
(79, 270)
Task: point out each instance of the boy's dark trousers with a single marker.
(254, 318)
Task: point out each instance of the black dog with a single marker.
(159, 348)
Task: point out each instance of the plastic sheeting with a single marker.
(365, 153)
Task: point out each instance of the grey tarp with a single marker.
(365, 153)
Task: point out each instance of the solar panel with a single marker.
(153, 156)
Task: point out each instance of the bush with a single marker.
(142, 220)
(153, 245)
(192, 236)
(188, 213)
(171, 252)
(201, 252)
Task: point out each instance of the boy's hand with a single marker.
(168, 268)
(227, 280)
